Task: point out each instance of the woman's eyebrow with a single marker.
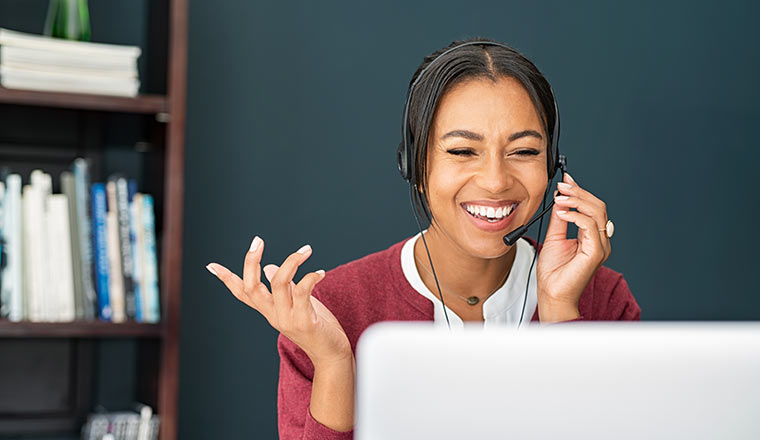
(467, 134)
(472, 136)
(522, 134)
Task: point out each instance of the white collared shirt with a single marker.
(500, 309)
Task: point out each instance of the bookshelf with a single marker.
(149, 104)
(49, 370)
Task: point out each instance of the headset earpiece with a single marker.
(403, 163)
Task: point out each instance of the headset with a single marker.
(406, 154)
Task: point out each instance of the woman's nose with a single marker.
(494, 175)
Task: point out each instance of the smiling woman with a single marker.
(479, 157)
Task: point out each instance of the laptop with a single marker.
(569, 381)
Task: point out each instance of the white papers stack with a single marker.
(34, 62)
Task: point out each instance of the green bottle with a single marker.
(68, 19)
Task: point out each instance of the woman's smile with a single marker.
(491, 216)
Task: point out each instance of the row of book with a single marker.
(140, 424)
(36, 62)
(87, 253)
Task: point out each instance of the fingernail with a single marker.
(561, 212)
(570, 177)
(321, 272)
(306, 248)
(255, 244)
(269, 272)
(561, 198)
(211, 269)
(565, 186)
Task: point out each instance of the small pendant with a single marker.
(473, 300)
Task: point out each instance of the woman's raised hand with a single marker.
(565, 266)
(289, 308)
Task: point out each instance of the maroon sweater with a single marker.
(374, 289)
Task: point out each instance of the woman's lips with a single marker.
(488, 226)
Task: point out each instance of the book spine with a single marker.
(47, 300)
(59, 245)
(125, 245)
(4, 295)
(84, 219)
(68, 187)
(34, 250)
(150, 264)
(13, 282)
(135, 200)
(115, 278)
(100, 247)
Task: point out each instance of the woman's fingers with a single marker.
(595, 207)
(302, 294)
(281, 281)
(235, 285)
(591, 241)
(232, 281)
(573, 196)
(253, 287)
(302, 307)
(557, 229)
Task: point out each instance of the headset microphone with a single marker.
(511, 238)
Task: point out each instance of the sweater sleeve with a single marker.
(622, 306)
(294, 420)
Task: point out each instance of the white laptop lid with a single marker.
(580, 380)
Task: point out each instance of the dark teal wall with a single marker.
(293, 120)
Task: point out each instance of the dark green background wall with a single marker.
(294, 117)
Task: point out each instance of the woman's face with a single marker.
(486, 169)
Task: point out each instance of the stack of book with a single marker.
(87, 253)
(34, 62)
(140, 424)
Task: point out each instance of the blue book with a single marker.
(134, 224)
(99, 208)
(84, 222)
(151, 262)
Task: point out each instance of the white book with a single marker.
(62, 273)
(32, 41)
(33, 201)
(47, 299)
(51, 60)
(115, 279)
(13, 282)
(4, 294)
(15, 78)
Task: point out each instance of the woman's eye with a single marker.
(460, 152)
(528, 153)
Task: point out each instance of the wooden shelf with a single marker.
(80, 329)
(140, 104)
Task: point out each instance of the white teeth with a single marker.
(490, 212)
